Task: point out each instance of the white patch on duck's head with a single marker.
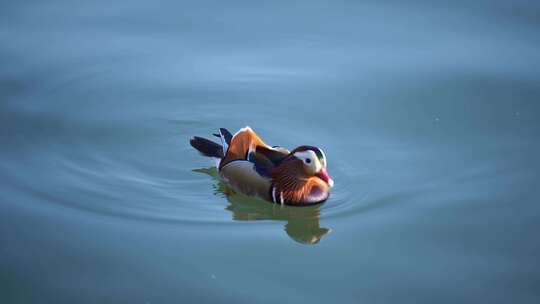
(312, 164)
(323, 158)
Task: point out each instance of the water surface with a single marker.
(427, 111)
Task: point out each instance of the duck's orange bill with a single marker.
(325, 177)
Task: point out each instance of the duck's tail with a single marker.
(225, 137)
(210, 148)
(207, 147)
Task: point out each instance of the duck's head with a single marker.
(313, 163)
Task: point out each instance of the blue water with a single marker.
(428, 112)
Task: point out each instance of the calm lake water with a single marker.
(428, 113)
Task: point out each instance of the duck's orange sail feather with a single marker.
(243, 142)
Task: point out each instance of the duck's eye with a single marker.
(308, 160)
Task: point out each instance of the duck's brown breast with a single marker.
(300, 191)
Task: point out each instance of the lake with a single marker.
(428, 112)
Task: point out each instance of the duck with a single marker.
(297, 177)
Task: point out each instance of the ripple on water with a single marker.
(158, 178)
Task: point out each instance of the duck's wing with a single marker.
(247, 145)
(241, 145)
(261, 163)
(274, 154)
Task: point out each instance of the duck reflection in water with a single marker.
(302, 223)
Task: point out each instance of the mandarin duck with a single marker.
(275, 174)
